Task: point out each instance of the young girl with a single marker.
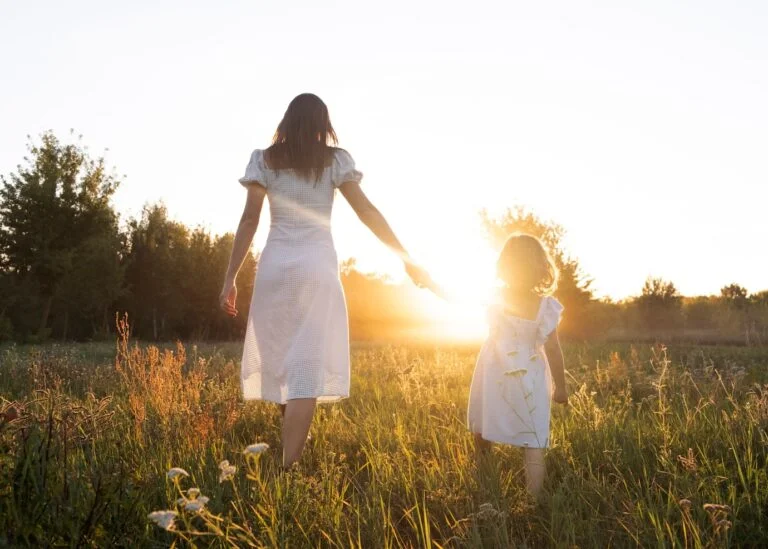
(520, 367)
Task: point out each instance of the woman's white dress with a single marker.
(297, 337)
(510, 398)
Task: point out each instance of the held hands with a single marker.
(228, 299)
(420, 277)
(560, 395)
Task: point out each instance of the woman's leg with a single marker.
(534, 470)
(297, 418)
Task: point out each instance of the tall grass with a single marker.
(657, 448)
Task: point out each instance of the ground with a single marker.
(658, 447)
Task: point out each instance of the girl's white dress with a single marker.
(297, 337)
(510, 398)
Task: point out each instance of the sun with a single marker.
(466, 285)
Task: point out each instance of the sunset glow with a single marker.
(467, 282)
(605, 119)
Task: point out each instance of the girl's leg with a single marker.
(297, 418)
(482, 451)
(481, 445)
(534, 470)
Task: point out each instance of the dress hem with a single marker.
(511, 443)
(321, 399)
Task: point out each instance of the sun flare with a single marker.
(465, 288)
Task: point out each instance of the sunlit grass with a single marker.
(658, 448)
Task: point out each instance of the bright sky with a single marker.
(641, 127)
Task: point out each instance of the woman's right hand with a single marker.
(228, 299)
(560, 395)
(418, 275)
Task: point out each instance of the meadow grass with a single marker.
(658, 448)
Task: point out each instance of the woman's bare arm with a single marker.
(556, 367)
(375, 221)
(249, 222)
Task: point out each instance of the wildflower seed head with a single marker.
(193, 506)
(176, 472)
(256, 449)
(164, 519)
(227, 471)
(196, 505)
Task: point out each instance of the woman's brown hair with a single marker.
(305, 139)
(525, 264)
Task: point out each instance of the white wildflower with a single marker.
(181, 501)
(164, 519)
(193, 493)
(227, 471)
(196, 505)
(256, 449)
(176, 472)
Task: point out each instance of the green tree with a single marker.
(154, 264)
(735, 295)
(223, 327)
(660, 306)
(573, 289)
(759, 298)
(92, 287)
(173, 277)
(7, 300)
(51, 210)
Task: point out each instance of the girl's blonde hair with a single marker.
(525, 264)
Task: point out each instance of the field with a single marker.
(658, 447)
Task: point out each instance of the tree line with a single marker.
(68, 267)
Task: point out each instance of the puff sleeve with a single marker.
(255, 171)
(551, 313)
(344, 169)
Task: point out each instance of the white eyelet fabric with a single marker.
(297, 337)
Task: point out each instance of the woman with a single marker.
(296, 349)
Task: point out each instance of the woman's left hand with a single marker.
(228, 299)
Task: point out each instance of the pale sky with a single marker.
(641, 127)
